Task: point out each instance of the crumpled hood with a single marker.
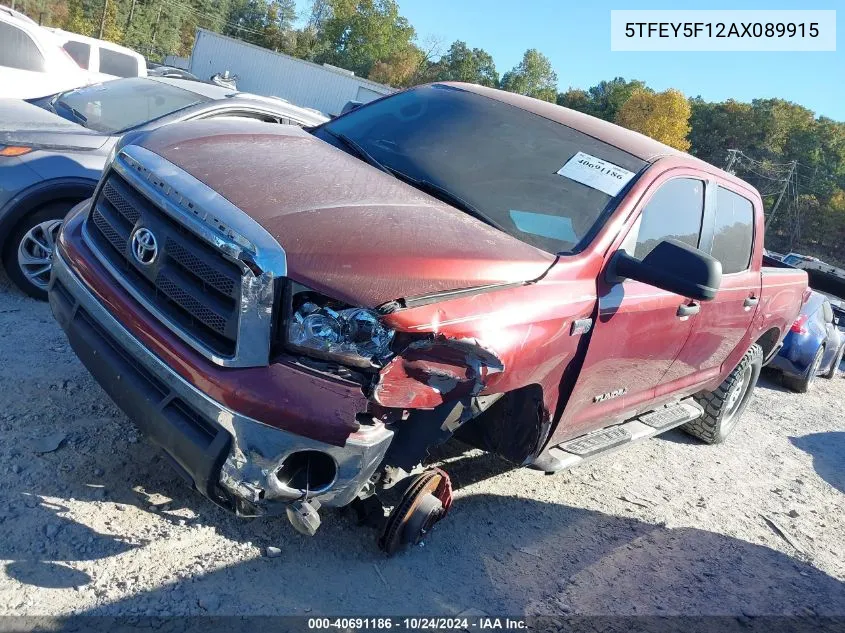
(23, 123)
(349, 230)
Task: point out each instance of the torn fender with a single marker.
(433, 371)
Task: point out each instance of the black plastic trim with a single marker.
(197, 445)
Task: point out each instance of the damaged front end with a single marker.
(432, 371)
(418, 399)
(267, 468)
(436, 382)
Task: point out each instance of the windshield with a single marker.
(115, 106)
(500, 160)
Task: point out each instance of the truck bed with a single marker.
(783, 294)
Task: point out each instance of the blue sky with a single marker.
(575, 35)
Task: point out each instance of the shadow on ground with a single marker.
(828, 453)
(508, 555)
(500, 554)
(770, 379)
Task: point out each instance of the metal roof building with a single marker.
(264, 72)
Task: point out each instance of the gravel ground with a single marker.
(102, 525)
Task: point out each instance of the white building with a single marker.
(264, 72)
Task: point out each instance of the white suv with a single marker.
(32, 64)
(99, 56)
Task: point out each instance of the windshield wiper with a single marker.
(74, 112)
(356, 148)
(448, 197)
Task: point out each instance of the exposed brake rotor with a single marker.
(425, 502)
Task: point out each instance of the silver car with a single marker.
(52, 151)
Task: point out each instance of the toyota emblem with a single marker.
(144, 246)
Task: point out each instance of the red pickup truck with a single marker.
(297, 316)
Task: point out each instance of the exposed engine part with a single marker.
(425, 502)
(304, 516)
(392, 476)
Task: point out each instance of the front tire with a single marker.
(27, 253)
(724, 406)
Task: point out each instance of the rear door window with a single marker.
(79, 51)
(675, 211)
(17, 50)
(733, 234)
(119, 64)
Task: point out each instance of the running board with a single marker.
(587, 447)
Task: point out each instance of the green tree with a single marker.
(575, 99)
(533, 77)
(472, 65)
(356, 34)
(718, 127)
(602, 100)
(279, 33)
(246, 20)
(608, 97)
(76, 21)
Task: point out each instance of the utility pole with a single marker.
(732, 153)
(792, 167)
(155, 31)
(131, 13)
(103, 19)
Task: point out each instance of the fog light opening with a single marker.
(307, 472)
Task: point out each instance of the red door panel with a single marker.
(722, 326)
(637, 337)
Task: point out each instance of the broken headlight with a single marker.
(327, 329)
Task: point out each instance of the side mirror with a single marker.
(672, 266)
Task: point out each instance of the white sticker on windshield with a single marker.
(596, 173)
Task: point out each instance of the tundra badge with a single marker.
(610, 394)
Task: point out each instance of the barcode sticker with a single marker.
(596, 173)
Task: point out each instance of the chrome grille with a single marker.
(189, 282)
(213, 282)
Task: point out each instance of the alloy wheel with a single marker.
(35, 252)
(735, 397)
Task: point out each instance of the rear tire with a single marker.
(26, 252)
(834, 368)
(802, 384)
(724, 406)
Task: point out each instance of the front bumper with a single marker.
(229, 457)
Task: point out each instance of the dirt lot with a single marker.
(101, 525)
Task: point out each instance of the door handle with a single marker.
(750, 302)
(688, 309)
